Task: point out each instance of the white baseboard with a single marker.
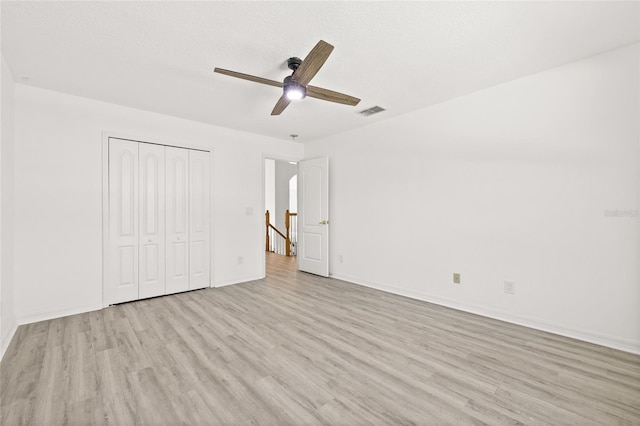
(535, 323)
(237, 280)
(44, 316)
(5, 339)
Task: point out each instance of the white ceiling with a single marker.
(402, 56)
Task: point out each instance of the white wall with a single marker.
(509, 183)
(7, 311)
(58, 196)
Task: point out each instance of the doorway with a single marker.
(280, 209)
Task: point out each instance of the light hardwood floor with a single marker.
(298, 349)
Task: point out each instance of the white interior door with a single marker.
(122, 268)
(177, 196)
(313, 216)
(199, 228)
(152, 220)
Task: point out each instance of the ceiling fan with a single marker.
(296, 86)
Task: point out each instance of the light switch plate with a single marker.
(509, 287)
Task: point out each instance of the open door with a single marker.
(313, 216)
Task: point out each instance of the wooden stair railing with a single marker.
(291, 224)
(278, 242)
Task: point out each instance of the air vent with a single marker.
(371, 111)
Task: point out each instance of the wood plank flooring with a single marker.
(297, 349)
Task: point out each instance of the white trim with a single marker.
(240, 280)
(267, 156)
(105, 217)
(211, 221)
(59, 313)
(153, 140)
(7, 338)
(535, 323)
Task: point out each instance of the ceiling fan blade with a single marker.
(249, 77)
(312, 63)
(331, 96)
(282, 103)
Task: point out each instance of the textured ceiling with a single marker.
(403, 56)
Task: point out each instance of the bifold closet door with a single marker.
(151, 213)
(122, 281)
(159, 221)
(177, 208)
(199, 227)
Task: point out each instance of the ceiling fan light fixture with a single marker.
(295, 94)
(296, 86)
(294, 91)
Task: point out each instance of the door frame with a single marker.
(106, 135)
(277, 157)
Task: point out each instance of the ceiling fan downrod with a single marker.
(293, 63)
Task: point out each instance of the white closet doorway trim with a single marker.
(156, 219)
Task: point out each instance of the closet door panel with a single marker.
(199, 228)
(122, 276)
(177, 193)
(152, 220)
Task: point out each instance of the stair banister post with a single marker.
(267, 230)
(288, 240)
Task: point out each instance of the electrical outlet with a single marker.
(456, 278)
(240, 260)
(340, 259)
(510, 287)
